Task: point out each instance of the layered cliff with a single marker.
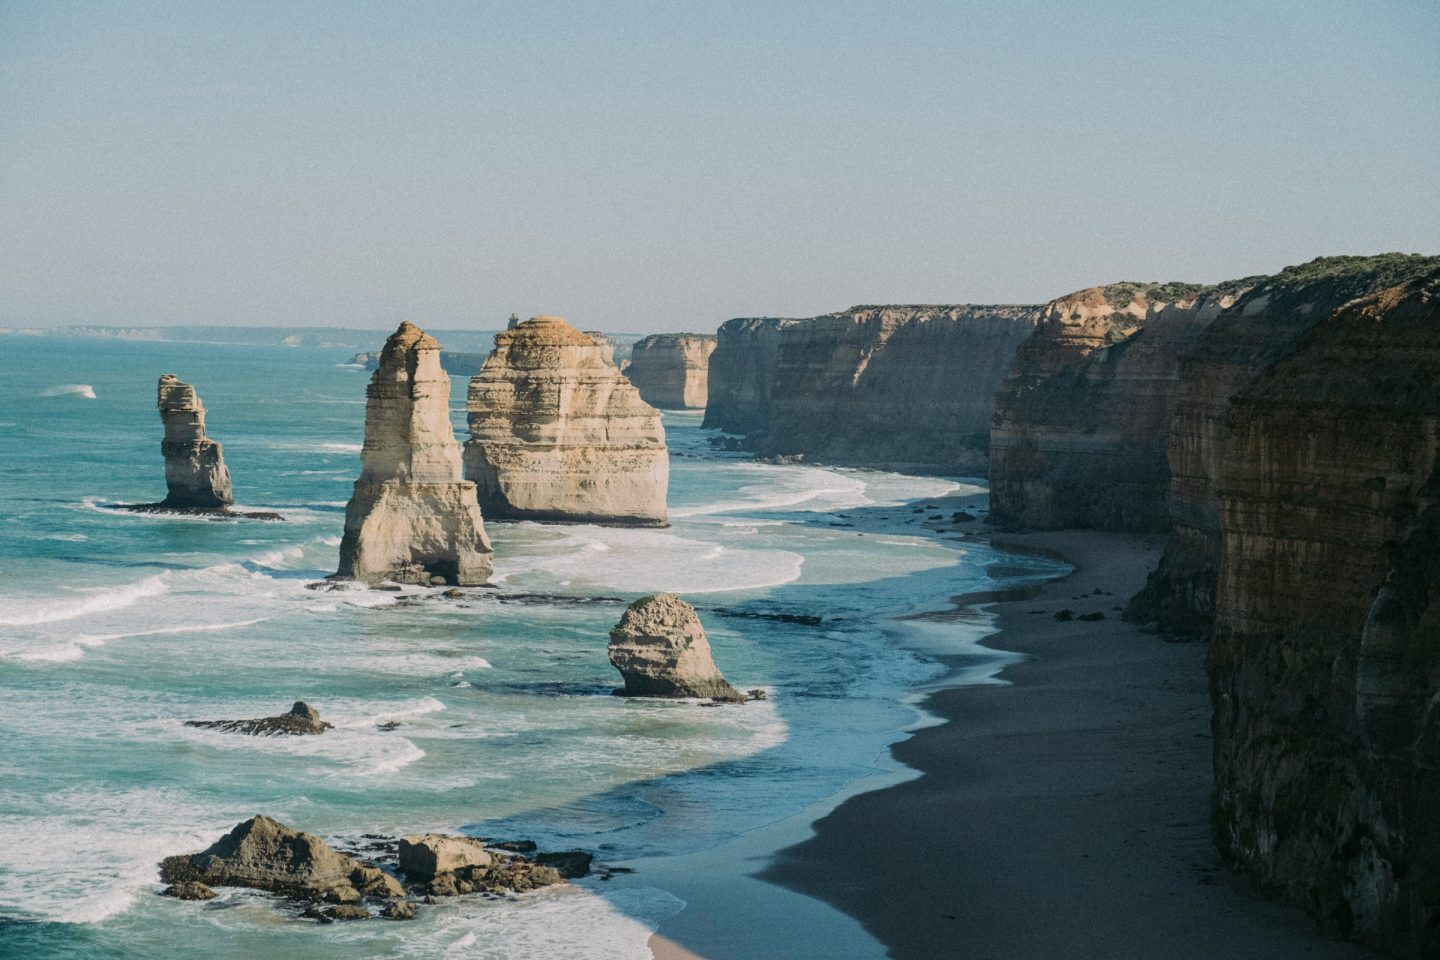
(412, 519)
(901, 387)
(1082, 422)
(742, 374)
(558, 433)
(1241, 343)
(195, 472)
(672, 370)
(1325, 659)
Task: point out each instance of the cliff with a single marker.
(1325, 659)
(195, 473)
(742, 373)
(901, 387)
(1082, 422)
(557, 433)
(1261, 327)
(672, 370)
(412, 519)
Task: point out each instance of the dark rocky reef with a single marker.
(672, 370)
(1082, 423)
(1325, 658)
(300, 720)
(1237, 347)
(742, 374)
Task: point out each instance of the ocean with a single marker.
(115, 628)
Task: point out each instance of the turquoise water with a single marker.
(115, 628)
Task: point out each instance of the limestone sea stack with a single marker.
(1324, 661)
(195, 472)
(672, 370)
(661, 650)
(558, 433)
(1082, 422)
(412, 518)
(742, 374)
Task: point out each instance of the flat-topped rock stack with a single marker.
(672, 370)
(558, 433)
(742, 374)
(412, 518)
(195, 473)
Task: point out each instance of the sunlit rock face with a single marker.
(1082, 422)
(1324, 663)
(672, 370)
(899, 387)
(558, 433)
(412, 518)
(195, 472)
(1263, 325)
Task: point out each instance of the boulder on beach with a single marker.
(301, 720)
(660, 648)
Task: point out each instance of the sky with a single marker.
(665, 166)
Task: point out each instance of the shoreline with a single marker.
(1064, 812)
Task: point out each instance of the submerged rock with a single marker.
(412, 518)
(660, 648)
(195, 472)
(188, 890)
(301, 720)
(558, 433)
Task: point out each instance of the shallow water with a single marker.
(116, 627)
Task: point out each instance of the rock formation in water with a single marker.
(742, 374)
(558, 433)
(412, 519)
(426, 856)
(1082, 424)
(455, 363)
(1325, 658)
(661, 650)
(195, 471)
(301, 720)
(1241, 343)
(672, 370)
(902, 387)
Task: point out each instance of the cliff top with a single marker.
(656, 339)
(1338, 279)
(407, 337)
(546, 330)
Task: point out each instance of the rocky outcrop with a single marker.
(672, 370)
(1325, 659)
(264, 854)
(661, 650)
(1082, 423)
(902, 387)
(195, 472)
(742, 374)
(455, 363)
(1240, 344)
(558, 433)
(301, 720)
(426, 856)
(412, 519)
(447, 866)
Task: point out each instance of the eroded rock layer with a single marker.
(1240, 344)
(412, 519)
(558, 433)
(661, 650)
(1082, 422)
(1325, 659)
(195, 473)
(903, 387)
(742, 373)
(672, 370)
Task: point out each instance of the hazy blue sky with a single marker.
(664, 166)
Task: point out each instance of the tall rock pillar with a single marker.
(195, 471)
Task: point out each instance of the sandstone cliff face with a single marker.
(1325, 659)
(1082, 423)
(742, 373)
(412, 518)
(901, 387)
(672, 370)
(195, 472)
(1263, 326)
(557, 433)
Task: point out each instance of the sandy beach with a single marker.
(1065, 815)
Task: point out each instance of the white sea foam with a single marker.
(74, 648)
(31, 611)
(70, 389)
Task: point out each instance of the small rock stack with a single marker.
(195, 471)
